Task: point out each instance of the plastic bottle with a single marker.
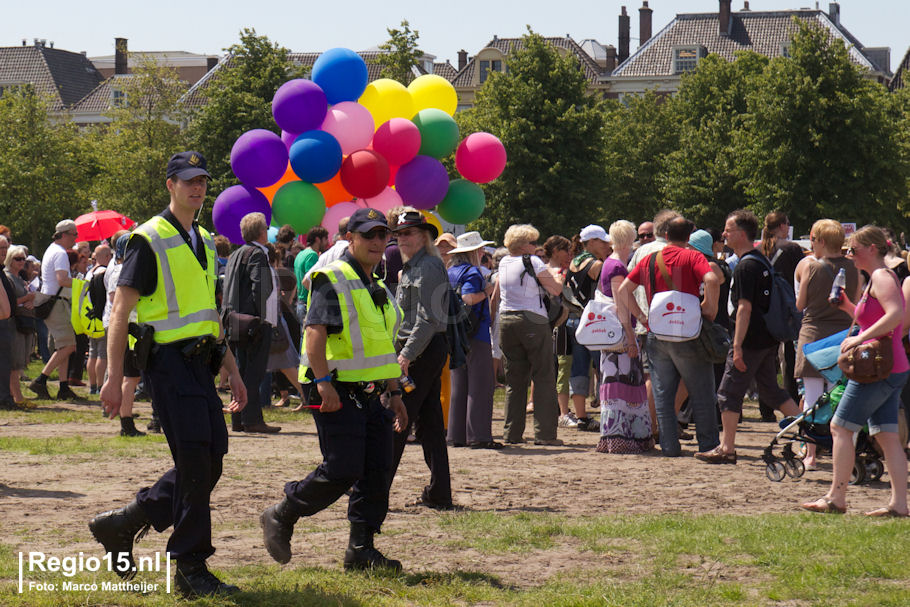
(837, 289)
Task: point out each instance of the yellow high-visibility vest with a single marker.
(364, 350)
(183, 304)
(81, 310)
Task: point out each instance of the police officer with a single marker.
(349, 353)
(168, 275)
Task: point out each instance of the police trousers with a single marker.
(184, 397)
(356, 445)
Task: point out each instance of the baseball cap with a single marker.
(364, 220)
(594, 231)
(64, 226)
(187, 165)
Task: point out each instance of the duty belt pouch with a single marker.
(145, 340)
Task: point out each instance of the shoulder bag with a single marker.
(44, 309)
(557, 313)
(868, 362)
(672, 315)
(599, 327)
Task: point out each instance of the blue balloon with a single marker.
(315, 156)
(341, 74)
(273, 233)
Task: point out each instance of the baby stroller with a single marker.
(813, 427)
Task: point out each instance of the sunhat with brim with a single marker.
(470, 241)
(701, 241)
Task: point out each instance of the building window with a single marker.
(486, 66)
(11, 87)
(685, 58)
(785, 49)
(118, 98)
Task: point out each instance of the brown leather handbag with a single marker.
(868, 362)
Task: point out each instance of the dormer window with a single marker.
(785, 49)
(486, 66)
(118, 97)
(685, 58)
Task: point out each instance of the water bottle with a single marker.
(407, 384)
(837, 289)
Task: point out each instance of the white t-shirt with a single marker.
(332, 254)
(111, 276)
(55, 258)
(517, 290)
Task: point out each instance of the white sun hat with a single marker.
(470, 241)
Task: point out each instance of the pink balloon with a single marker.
(480, 157)
(398, 140)
(288, 138)
(351, 124)
(334, 214)
(386, 199)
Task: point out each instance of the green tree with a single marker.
(239, 98)
(817, 139)
(552, 131)
(638, 135)
(400, 55)
(132, 151)
(702, 180)
(43, 168)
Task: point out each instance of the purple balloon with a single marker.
(299, 105)
(259, 158)
(288, 138)
(422, 183)
(233, 204)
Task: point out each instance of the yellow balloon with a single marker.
(387, 99)
(431, 218)
(432, 91)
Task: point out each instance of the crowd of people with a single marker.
(365, 318)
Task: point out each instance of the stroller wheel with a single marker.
(859, 472)
(874, 469)
(775, 471)
(795, 467)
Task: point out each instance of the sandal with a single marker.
(827, 506)
(716, 456)
(886, 512)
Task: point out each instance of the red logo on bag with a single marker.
(673, 309)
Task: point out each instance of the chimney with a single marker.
(210, 63)
(611, 59)
(644, 23)
(120, 56)
(724, 19)
(746, 6)
(462, 59)
(624, 31)
(834, 13)
(24, 42)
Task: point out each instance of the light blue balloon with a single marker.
(273, 234)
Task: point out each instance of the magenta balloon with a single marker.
(384, 202)
(422, 183)
(299, 105)
(288, 138)
(398, 140)
(480, 157)
(231, 206)
(334, 214)
(259, 158)
(351, 124)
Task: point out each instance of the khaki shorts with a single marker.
(97, 347)
(60, 326)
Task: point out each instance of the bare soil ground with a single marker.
(47, 501)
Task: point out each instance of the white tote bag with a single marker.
(599, 328)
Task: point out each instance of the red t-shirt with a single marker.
(686, 267)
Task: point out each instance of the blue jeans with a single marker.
(877, 403)
(582, 357)
(301, 311)
(671, 361)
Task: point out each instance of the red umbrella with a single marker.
(99, 225)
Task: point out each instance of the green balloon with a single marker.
(438, 133)
(463, 203)
(299, 204)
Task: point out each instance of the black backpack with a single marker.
(782, 318)
(457, 330)
(473, 315)
(97, 294)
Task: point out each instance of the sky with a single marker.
(444, 27)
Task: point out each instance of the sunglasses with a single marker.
(851, 251)
(646, 235)
(373, 234)
(18, 258)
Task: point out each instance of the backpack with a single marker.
(473, 316)
(556, 310)
(457, 330)
(97, 294)
(581, 285)
(782, 318)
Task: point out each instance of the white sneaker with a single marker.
(567, 421)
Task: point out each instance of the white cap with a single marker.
(594, 231)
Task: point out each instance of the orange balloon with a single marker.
(270, 190)
(333, 191)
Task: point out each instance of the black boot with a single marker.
(195, 579)
(40, 390)
(362, 555)
(128, 427)
(277, 527)
(116, 530)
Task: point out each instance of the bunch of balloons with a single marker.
(346, 143)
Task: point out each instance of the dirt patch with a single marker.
(47, 501)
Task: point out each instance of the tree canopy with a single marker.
(400, 54)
